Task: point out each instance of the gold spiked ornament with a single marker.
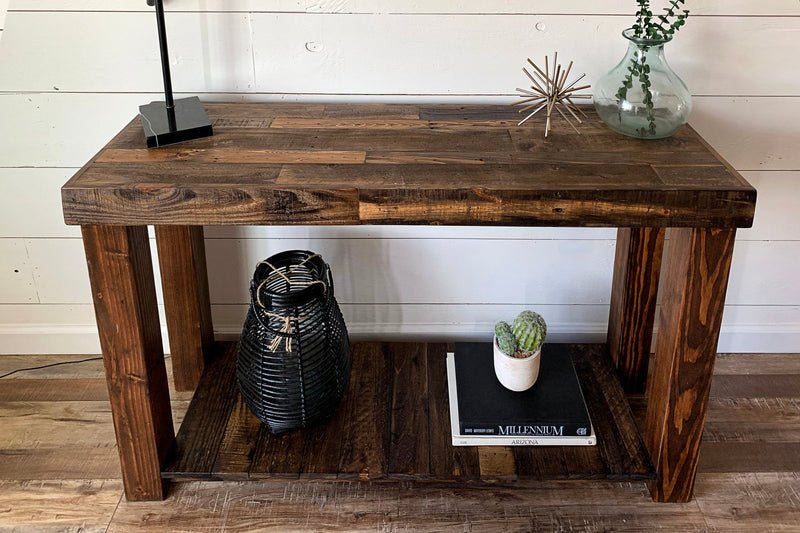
(550, 91)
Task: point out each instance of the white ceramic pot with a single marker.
(514, 373)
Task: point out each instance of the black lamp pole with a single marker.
(171, 121)
(162, 44)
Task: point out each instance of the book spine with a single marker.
(459, 440)
(527, 430)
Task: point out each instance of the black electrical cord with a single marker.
(53, 364)
(48, 366)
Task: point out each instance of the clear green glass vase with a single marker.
(642, 97)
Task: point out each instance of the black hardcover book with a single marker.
(554, 406)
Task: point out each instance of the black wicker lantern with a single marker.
(293, 363)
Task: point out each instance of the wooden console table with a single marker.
(403, 164)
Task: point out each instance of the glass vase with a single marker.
(642, 97)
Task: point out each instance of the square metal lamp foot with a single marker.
(186, 121)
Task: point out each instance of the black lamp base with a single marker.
(189, 121)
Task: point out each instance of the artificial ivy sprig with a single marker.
(662, 26)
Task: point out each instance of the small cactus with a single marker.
(506, 340)
(530, 329)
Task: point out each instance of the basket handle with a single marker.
(330, 278)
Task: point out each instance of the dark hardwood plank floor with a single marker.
(59, 471)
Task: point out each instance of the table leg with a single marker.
(637, 267)
(698, 263)
(182, 258)
(121, 275)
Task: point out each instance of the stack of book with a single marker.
(484, 413)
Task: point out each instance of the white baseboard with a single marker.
(83, 339)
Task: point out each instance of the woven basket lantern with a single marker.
(293, 362)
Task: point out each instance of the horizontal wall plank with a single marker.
(764, 273)
(435, 271)
(61, 274)
(438, 271)
(512, 7)
(54, 328)
(211, 52)
(777, 216)
(208, 52)
(61, 130)
(16, 273)
(30, 203)
(751, 133)
(352, 54)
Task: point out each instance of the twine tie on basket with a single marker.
(287, 320)
(287, 329)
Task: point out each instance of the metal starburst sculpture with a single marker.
(551, 92)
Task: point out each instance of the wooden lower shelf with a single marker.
(393, 424)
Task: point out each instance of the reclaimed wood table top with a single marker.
(406, 164)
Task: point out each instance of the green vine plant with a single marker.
(655, 27)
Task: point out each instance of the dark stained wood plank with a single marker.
(595, 137)
(451, 178)
(223, 155)
(701, 159)
(123, 290)
(467, 113)
(637, 267)
(619, 442)
(586, 207)
(349, 123)
(176, 174)
(238, 444)
(277, 456)
(677, 175)
(693, 298)
(361, 140)
(322, 448)
(446, 461)
(203, 428)
(367, 407)
(178, 205)
(367, 110)
(409, 443)
(584, 463)
(182, 259)
(540, 463)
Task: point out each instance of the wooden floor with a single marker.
(59, 472)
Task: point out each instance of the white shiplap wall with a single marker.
(72, 73)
